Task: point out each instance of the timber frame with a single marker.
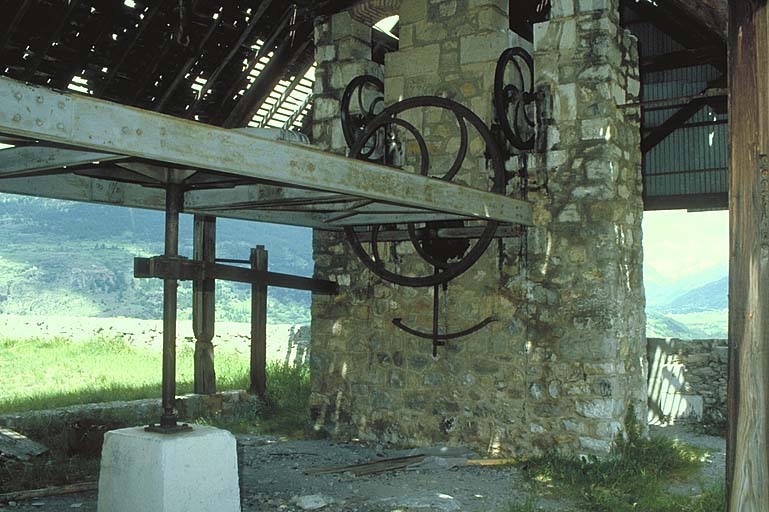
(69, 146)
(225, 172)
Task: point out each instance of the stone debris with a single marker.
(434, 501)
(312, 501)
(18, 446)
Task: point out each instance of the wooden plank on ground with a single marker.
(371, 467)
(19, 446)
(49, 491)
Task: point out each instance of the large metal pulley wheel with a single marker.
(446, 258)
(514, 97)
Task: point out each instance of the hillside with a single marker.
(73, 258)
(712, 296)
(701, 312)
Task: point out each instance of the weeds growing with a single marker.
(634, 477)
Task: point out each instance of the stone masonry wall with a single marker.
(687, 379)
(566, 357)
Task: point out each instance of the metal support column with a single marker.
(258, 324)
(168, 424)
(204, 306)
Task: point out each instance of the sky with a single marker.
(678, 244)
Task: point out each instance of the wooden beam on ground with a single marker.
(85, 122)
(748, 382)
(49, 491)
(204, 307)
(259, 324)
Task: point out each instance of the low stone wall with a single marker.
(135, 412)
(687, 379)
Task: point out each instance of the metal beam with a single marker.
(80, 188)
(85, 122)
(36, 160)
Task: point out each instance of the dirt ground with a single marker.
(273, 479)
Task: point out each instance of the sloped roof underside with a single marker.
(212, 61)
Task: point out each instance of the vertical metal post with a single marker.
(174, 202)
(204, 307)
(258, 325)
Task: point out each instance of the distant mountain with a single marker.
(661, 289)
(709, 297)
(701, 312)
(68, 258)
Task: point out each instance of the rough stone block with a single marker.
(596, 446)
(561, 8)
(502, 5)
(482, 47)
(427, 32)
(406, 37)
(545, 35)
(595, 129)
(195, 471)
(343, 25)
(350, 48)
(594, 5)
(413, 11)
(325, 53)
(325, 108)
(441, 9)
(394, 89)
(568, 39)
(494, 18)
(414, 61)
(597, 408)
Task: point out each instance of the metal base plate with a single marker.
(175, 429)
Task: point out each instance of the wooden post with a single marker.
(258, 325)
(203, 307)
(747, 450)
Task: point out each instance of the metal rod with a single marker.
(232, 260)
(174, 201)
(258, 324)
(436, 304)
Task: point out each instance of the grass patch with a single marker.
(288, 400)
(634, 477)
(285, 412)
(44, 374)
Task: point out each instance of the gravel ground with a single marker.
(273, 480)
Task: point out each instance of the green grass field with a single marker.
(43, 374)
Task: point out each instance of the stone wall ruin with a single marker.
(566, 360)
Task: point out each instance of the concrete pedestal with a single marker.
(194, 471)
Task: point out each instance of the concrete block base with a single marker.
(194, 471)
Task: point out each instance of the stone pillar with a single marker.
(566, 356)
(585, 250)
(342, 52)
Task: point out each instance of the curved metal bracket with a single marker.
(440, 339)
